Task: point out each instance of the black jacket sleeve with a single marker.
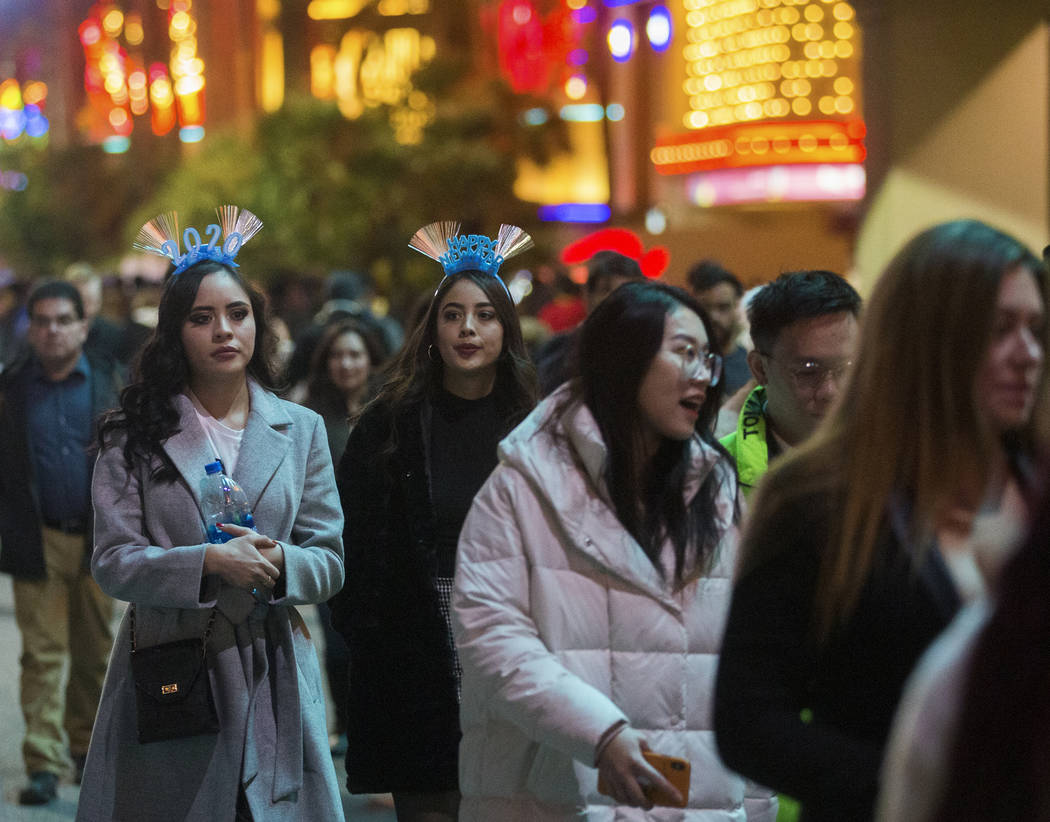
(364, 496)
(769, 663)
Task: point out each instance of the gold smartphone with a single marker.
(673, 769)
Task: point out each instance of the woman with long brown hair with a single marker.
(415, 459)
(854, 557)
(339, 385)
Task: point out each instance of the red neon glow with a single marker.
(93, 79)
(533, 50)
(623, 241)
(521, 53)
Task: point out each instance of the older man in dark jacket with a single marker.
(49, 403)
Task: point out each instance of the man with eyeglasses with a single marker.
(804, 330)
(49, 402)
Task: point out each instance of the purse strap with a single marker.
(204, 639)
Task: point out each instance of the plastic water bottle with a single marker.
(223, 500)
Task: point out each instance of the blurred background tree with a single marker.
(333, 193)
(76, 207)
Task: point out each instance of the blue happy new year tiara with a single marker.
(457, 252)
(160, 236)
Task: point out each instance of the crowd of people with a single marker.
(706, 555)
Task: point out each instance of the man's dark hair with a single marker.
(55, 290)
(797, 295)
(606, 264)
(709, 273)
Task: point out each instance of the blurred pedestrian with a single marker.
(556, 358)
(49, 403)
(340, 381)
(104, 339)
(338, 386)
(719, 291)
(413, 463)
(200, 392)
(855, 554)
(117, 298)
(14, 322)
(593, 581)
(971, 742)
(566, 308)
(349, 294)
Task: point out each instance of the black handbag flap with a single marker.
(166, 673)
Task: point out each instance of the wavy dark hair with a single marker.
(321, 394)
(413, 375)
(618, 343)
(147, 416)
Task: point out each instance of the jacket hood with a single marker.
(558, 423)
(559, 450)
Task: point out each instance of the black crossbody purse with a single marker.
(172, 688)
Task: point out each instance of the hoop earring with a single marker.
(430, 354)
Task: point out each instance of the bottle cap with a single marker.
(213, 467)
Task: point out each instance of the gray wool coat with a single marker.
(149, 550)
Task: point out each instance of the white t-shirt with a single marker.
(225, 441)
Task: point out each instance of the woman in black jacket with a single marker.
(854, 556)
(412, 466)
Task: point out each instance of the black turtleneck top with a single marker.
(463, 439)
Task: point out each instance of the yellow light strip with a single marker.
(761, 144)
(334, 9)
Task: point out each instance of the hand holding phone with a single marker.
(675, 771)
(632, 774)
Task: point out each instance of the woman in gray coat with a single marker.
(201, 391)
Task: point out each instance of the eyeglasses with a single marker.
(810, 375)
(699, 365)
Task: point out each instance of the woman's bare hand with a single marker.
(626, 772)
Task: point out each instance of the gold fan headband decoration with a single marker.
(160, 236)
(457, 252)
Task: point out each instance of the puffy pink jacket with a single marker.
(565, 627)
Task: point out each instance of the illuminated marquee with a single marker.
(753, 60)
(773, 108)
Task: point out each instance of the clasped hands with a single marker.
(250, 560)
